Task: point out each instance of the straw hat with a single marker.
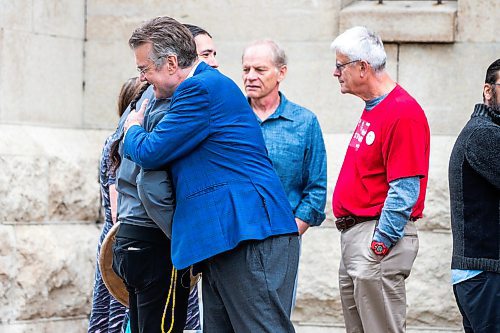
(113, 282)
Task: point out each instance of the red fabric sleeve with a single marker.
(406, 149)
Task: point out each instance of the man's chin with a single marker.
(253, 94)
(158, 94)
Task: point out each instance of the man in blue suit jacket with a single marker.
(232, 217)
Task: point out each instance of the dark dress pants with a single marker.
(142, 259)
(250, 288)
(478, 300)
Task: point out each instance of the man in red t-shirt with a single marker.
(381, 188)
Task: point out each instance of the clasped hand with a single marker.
(136, 117)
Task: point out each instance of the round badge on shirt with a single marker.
(370, 137)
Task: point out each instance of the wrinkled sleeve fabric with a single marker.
(483, 153)
(311, 208)
(402, 196)
(177, 134)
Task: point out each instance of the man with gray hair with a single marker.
(292, 133)
(381, 187)
(232, 218)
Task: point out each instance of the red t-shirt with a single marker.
(391, 141)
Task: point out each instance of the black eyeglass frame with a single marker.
(340, 67)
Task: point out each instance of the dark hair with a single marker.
(168, 37)
(492, 75)
(492, 72)
(114, 149)
(127, 93)
(196, 30)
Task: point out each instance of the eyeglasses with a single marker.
(143, 71)
(495, 84)
(339, 67)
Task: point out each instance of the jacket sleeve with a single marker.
(177, 134)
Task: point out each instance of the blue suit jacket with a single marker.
(226, 188)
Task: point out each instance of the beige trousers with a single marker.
(372, 287)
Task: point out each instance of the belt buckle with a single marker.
(345, 222)
(349, 221)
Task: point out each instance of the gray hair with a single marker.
(168, 37)
(359, 43)
(278, 55)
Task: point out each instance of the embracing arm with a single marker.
(179, 132)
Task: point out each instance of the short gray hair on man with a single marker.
(278, 55)
(168, 37)
(359, 43)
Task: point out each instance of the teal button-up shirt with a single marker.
(295, 146)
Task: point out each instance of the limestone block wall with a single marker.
(61, 65)
(49, 199)
(49, 208)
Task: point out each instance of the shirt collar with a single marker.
(483, 110)
(191, 73)
(281, 111)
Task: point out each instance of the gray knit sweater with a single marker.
(474, 180)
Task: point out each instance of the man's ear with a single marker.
(172, 64)
(363, 68)
(282, 73)
(487, 92)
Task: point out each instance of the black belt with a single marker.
(345, 222)
(146, 234)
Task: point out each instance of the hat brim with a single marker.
(113, 282)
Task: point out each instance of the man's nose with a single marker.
(212, 62)
(336, 72)
(251, 75)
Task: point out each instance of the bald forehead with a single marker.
(262, 51)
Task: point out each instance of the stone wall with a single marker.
(61, 65)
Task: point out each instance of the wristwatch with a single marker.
(379, 248)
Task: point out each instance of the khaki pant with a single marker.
(372, 287)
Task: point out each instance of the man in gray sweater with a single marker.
(474, 179)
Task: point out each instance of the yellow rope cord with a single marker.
(171, 291)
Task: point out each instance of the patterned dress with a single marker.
(107, 314)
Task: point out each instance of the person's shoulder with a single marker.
(212, 77)
(401, 96)
(149, 93)
(193, 84)
(402, 105)
(483, 129)
(298, 111)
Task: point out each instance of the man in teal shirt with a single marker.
(292, 133)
